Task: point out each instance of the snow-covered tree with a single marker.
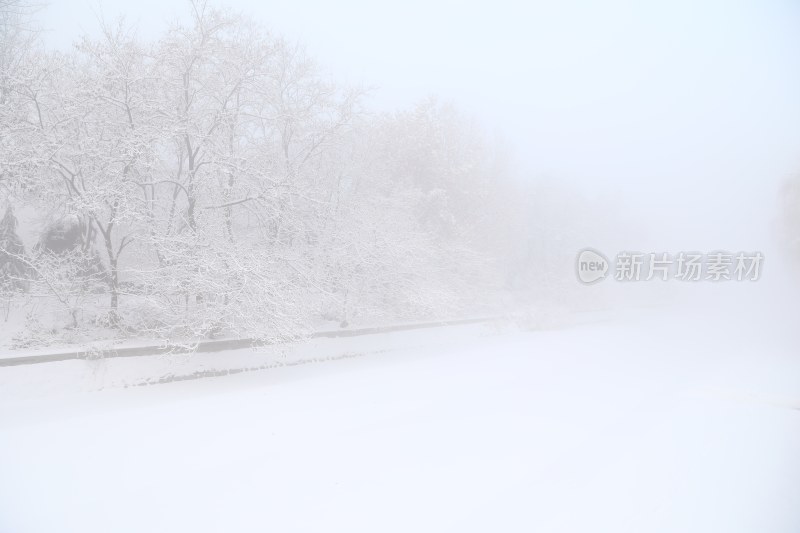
(220, 183)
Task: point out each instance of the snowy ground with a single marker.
(646, 424)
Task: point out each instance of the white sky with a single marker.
(686, 111)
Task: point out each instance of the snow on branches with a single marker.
(223, 186)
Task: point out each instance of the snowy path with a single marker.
(645, 426)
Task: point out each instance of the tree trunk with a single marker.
(113, 280)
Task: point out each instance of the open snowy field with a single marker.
(646, 424)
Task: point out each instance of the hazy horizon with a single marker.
(684, 113)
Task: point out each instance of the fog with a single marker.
(678, 123)
(359, 266)
(685, 112)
